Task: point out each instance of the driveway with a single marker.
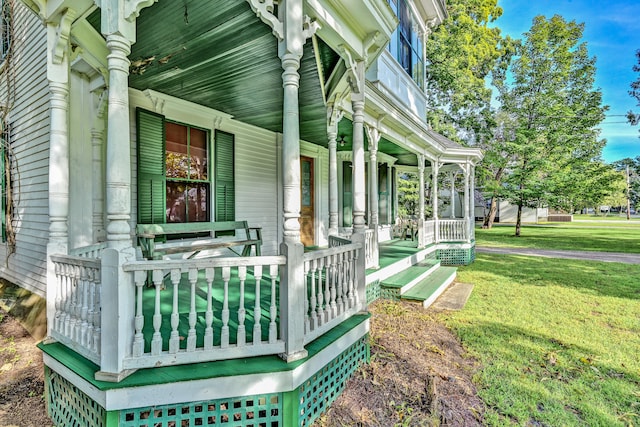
(554, 253)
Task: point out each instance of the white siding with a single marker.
(29, 119)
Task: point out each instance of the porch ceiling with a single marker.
(217, 53)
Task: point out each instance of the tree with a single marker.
(633, 166)
(408, 196)
(460, 54)
(634, 118)
(549, 94)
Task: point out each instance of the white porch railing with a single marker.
(238, 283)
(76, 323)
(91, 251)
(453, 230)
(429, 231)
(331, 278)
(370, 247)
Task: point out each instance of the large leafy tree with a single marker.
(632, 167)
(550, 97)
(461, 53)
(634, 118)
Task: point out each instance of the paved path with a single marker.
(554, 253)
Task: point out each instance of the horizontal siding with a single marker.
(29, 117)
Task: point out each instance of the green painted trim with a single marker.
(291, 408)
(112, 419)
(197, 371)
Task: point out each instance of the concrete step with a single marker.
(430, 287)
(410, 276)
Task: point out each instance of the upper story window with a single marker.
(406, 43)
(5, 28)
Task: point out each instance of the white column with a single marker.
(452, 200)
(467, 200)
(97, 141)
(472, 202)
(389, 219)
(374, 137)
(421, 238)
(334, 115)
(435, 171)
(58, 77)
(359, 198)
(118, 173)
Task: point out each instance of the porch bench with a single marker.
(157, 240)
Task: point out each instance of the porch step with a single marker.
(412, 275)
(430, 288)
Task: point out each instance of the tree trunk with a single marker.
(519, 220)
(493, 209)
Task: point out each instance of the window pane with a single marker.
(198, 206)
(199, 156)
(176, 202)
(176, 156)
(405, 55)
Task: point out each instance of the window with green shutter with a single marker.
(174, 180)
(225, 176)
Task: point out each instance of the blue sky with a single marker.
(612, 33)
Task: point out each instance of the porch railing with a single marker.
(91, 251)
(228, 314)
(453, 230)
(76, 322)
(370, 247)
(429, 231)
(331, 279)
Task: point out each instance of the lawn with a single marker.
(558, 340)
(617, 237)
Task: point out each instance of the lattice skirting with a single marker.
(70, 407)
(457, 256)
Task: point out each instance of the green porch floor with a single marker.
(394, 250)
(196, 371)
(407, 275)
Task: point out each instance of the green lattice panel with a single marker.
(262, 410)
(319, 391)
(69, 406)
(373, 291)
(456, 256)
(389, 293)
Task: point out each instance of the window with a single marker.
(406, 43)
(174, 177)
(5, 27)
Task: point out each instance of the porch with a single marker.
(212, 328)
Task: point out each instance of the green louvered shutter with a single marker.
(225, 177)
(151, 168)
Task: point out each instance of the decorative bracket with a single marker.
(217, 122)
(352, 70)
(264, 10)
(61, 43)
(38, 6)
(372, 39)
(373, 136)
(309, 27)
(334, 113)
(132, 8)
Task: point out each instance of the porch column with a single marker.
(97, 141)
(357, 103)
(421, 234)
(472, 202)
(452, 201)
(58, 75)
(334, 115)
(436, 221)
(390, 184)
(373, 135)
(118, 174)
(467, 200)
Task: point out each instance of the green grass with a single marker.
(568, 236)
(557, 340)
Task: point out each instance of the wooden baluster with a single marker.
(257, 311)
(193, 315)
(156, 340)
(320, 312)
(334, 285)
(273, 308)
(138, 338)
(340, 283)
(84, 308)
(96, 317)
(307, 322)
(242, 334)
(224, 334)
(174, 337)
(327, 288)
(356, 298)
(312, 309)
(209, 274)
(57, 320)
(67, 300)
(91, 309)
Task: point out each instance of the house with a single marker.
(214, 120)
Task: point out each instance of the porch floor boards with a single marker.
(394, 250)
(432, 285)
(401, 279)
(196, 371)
